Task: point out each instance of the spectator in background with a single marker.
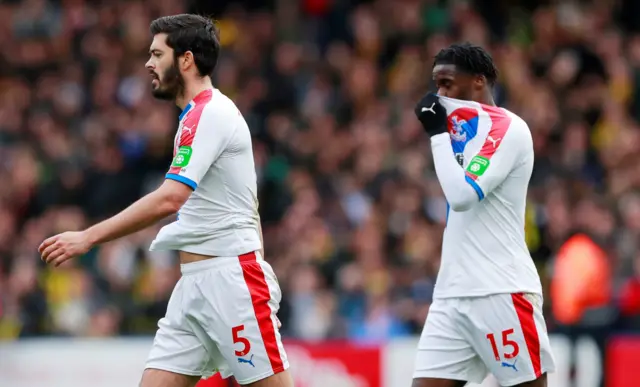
(581, 280)
(352, 212)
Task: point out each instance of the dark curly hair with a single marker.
(469, 58)
(189, 32)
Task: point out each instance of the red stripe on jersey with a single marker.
(260, 296)
(500, 123)
(190, 123)
(525, 312)
(192, 120)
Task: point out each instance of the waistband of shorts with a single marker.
(218, 262)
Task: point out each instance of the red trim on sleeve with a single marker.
(500, 123)
(189, 124)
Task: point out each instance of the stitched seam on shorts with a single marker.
(526, 378)
(264, 375)
(439, 375)
(172, 369)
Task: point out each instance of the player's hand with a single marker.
(62, 247)
(432, 115)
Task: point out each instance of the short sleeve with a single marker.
(204, 135)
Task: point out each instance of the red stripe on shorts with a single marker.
(260, 296)
(524, 309)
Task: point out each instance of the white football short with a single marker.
(222, 318)
(468, 338)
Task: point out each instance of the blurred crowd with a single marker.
(352, 211)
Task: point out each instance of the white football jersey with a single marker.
(484, 165)
(213, 155)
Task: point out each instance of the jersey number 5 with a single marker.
(506, 342)
(246, 345)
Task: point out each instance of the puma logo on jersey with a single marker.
(187, 129)
(495, 142)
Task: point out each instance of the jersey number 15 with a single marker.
(506, 343)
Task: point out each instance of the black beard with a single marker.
(171, 86)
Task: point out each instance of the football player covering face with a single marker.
(453, 82)
(486, 316)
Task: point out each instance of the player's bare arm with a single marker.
(163, 202)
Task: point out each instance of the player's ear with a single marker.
(479, 82)
(186, 61)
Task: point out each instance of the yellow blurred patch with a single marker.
(531, 231)
(57, 286)
(9, 329)
(228, 32)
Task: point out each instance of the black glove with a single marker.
(432, 115)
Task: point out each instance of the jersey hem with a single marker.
(211, 252)
(221, 253)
